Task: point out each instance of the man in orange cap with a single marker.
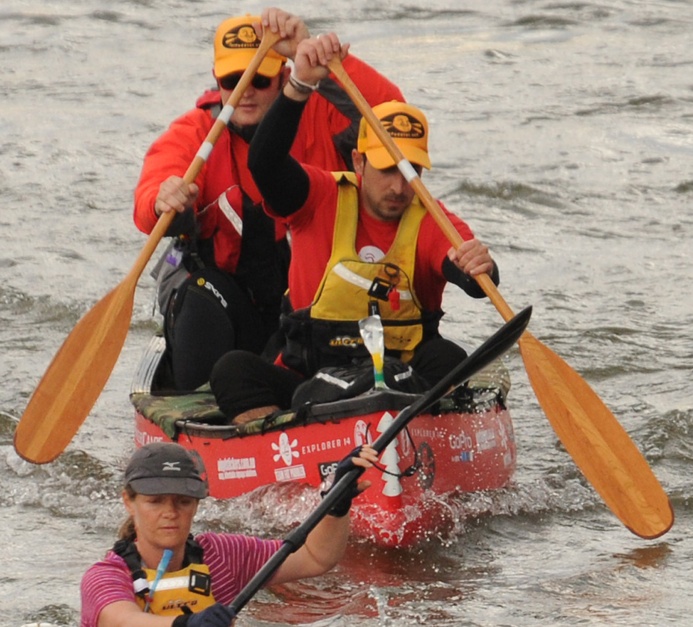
(362, 244)
(227, 271)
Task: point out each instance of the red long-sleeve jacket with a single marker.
(172, 153)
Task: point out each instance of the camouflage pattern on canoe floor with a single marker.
(199, 407)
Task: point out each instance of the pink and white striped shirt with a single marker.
(233, 560)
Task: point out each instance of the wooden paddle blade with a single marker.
(596, 441)
(75, 378)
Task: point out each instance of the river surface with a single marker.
(561, 131)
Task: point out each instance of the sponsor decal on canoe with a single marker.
(325, 445)
(142, 438)
(464, 444)
(390, 460)
(428, 434)
(292, 473)
(486, 439)
(427, 472)
(361, 435)
(286, 451)
(460, 441)
(236, 468)
(502, 434)
(326, 469)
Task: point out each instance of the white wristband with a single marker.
(301, 86)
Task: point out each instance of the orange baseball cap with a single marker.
(408, 127)
(236, 43)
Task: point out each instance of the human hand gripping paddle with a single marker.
(80, 369)
(598, 444)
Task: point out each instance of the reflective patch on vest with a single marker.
(171, 583)
(231, 214)
(359, 281)
(328, 378)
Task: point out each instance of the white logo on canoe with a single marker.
(285, 450)
(361, 435)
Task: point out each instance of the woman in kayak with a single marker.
(158, 574)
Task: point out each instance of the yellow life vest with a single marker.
(190, 587)
(352, 288)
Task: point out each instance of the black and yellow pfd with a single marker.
(184, 591)
(353, 288)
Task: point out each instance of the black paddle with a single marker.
(489, 351)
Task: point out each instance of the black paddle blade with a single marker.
(489, 351)
(500, 342)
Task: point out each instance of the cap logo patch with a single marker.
(171, 466)
(243, 36)
(403, 126)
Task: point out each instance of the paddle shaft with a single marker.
(598, 444)
(488, 352)
(415, 181)
(81, 367)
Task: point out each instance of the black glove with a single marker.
(217, 615)
(343, 505)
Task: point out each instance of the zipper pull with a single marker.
(393, 297)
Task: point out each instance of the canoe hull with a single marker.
(440, 453)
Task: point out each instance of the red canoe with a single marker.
(465, 444)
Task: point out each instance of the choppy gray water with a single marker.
(562, 131)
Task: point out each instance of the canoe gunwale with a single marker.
(197, 414)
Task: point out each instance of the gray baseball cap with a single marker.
(166, 468)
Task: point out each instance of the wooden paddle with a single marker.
(488, 352)
(598, 444)
(80, 369)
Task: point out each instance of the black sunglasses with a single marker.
(230, 81)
